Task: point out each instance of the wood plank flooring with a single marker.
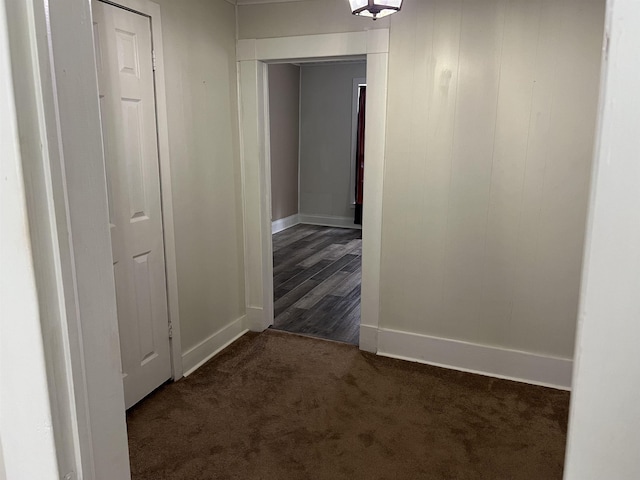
(316, 281)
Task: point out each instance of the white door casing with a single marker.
(127, 105)
(253, 55)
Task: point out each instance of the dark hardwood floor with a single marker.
(316, 281)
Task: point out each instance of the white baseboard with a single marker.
(195, 357)
(328, 221)
(368, 338)
(481, 359)
(255, 319)
(284, 223)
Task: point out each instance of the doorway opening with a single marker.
(316, 113)
(254, 56)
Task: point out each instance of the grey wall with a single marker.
(284, 109)
(325, 138)
(490, 122)
(201, 86)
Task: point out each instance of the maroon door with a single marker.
(362, 101)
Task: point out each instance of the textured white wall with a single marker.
(325, 138)
(201, 86)
(492, 111)
(491, 114)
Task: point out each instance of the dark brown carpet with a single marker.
(277, 406)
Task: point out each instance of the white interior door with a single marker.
(127, 106)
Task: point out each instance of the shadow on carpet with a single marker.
(276, 406)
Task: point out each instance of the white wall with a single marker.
(201, 86)
(25, 412)
(307, 17)
(326, 101)
(27, 449)
(284, 127)
(41, 167)
(487, 171)
(604, 437)
(3, 472)
(491, 114)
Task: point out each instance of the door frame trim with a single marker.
(253, 56)
(152, 10)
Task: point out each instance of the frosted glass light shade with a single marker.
(375, 8)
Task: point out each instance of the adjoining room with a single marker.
(317, 125)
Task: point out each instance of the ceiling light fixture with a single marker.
(375, 8)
